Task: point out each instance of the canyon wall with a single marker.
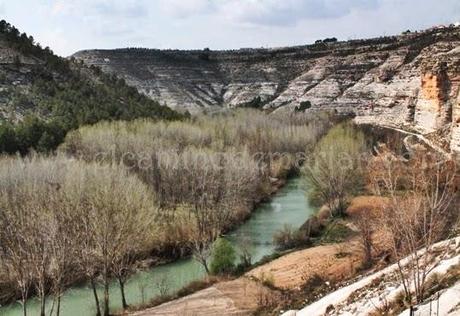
(409, 81)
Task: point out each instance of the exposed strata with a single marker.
(409, 81)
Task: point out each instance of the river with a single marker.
(288, 207)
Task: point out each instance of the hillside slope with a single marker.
(410, 80)
(42, 95)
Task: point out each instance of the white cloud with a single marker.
(266, 12)
(186, 8)
(110, 8)
(70, 25)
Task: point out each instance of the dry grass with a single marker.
(295, 269)
(369, 204)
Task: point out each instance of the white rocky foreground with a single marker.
(368, 298)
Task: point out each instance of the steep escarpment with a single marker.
(439, 100)
(408, 81)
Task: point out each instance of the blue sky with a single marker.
(70, 25)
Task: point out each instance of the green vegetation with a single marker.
(304, 105)
(335, 171)
(326, 40)
(255, 103)
(26, 45)
(31, 133)
(62, 95)
(223, 257)
(336, 231)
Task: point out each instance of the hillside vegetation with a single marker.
(43, 96)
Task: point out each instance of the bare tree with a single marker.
(365, 225)
(419, 213)
(40, 251)
(61, 218)
(135, 242)
(87, 259)
(14, 250)
(64, 244)
(120, 227)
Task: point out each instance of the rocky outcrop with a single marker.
(409, 81)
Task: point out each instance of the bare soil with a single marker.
(332, 262)
(238, 297)
(248, 293)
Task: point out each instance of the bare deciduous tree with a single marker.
(14, 252)
(420, 192)
(62, 217)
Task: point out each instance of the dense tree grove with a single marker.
(62, 218)
(137, 189)
(31, 133)
(63, 95)
(227, 160)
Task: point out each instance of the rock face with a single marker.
(409, 81)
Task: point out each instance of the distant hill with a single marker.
(409, 81)
(42, 95)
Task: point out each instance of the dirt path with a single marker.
(238, 297)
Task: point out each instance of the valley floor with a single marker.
(279, 280)
(261, 287)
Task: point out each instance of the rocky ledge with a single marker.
(409, 81)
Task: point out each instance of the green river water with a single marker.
(288, 206)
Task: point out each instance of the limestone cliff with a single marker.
(409, 81)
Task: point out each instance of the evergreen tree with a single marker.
(223, 257)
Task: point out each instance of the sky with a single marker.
(67, 26)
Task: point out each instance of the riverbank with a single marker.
(168, 256)
(287, 206)
(269, 286)
(286, 281)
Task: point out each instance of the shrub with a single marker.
(267, 279)
(8, 141)
(223, 257)
(304, 105)
(255, 103)
(288, 238)
(336, 232)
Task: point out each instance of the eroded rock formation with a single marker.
(409, 81)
